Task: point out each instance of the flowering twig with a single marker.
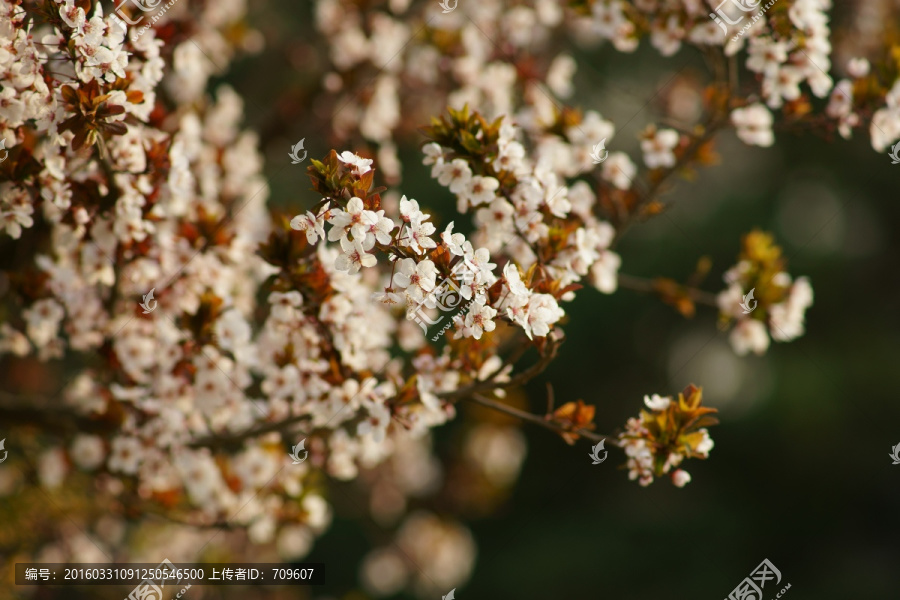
(517, 380)
(544, 421)
(641, 284)
(226, 441)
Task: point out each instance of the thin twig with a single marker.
(716, 121)
(523, 377)
(538, 420)
(641, 284)
(219, 441)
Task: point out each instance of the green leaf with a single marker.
(469, 142)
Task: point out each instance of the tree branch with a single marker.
(57, 419)
(716, 121)
(519, 379)
(225, 441)
(641, 284)
(538, 420)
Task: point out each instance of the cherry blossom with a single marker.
(353, 256)
(658, 148)
(754, 125)
(360, 165)
(312, 225)
(266, 333)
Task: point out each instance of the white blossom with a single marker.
(754, 125)
(657, 402)
(749, 335)
(360, 165)
(658, 149)
(353, 257)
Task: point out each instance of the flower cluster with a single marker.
(665, 434)
(868, 96)
(861, 93)
(761, 298)
(522, 209)
(787, 46)
(125, 180)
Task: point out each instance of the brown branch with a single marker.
(542, 421)
(56, 419)
(641, 284)
(64, 421)
(520, 379)
(225, 441)
(686, 157)
(718, 119)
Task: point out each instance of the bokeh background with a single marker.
(800, 472)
